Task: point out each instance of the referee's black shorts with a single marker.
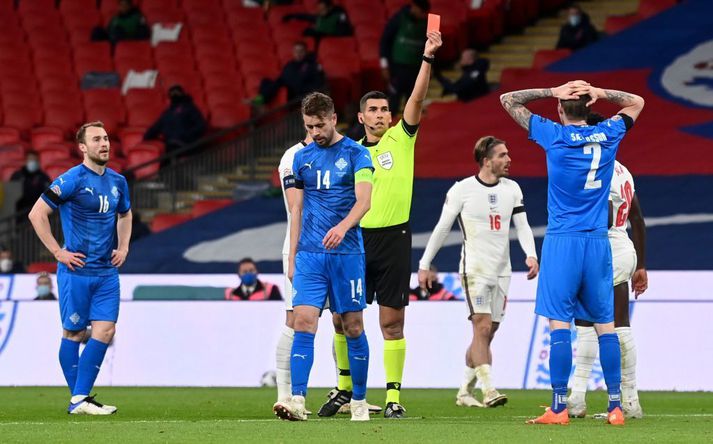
(388, 265)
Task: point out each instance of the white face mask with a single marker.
(5, 265)
(574, 20)
(32, 166)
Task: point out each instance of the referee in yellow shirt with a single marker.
(386, 231)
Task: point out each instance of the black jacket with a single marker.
(33, 185)
(577, 37)
(471, 84)
(181, 122)
(302, 77)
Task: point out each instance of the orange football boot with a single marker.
(616, 417)
(550, 417)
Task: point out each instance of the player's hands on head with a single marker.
(639, 282)
(433, 43)
(567, 91)
(70, 259)
(534, 267)
(118, 257)
(424, 279)
(334, 237)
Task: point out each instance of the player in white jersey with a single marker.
(484, 205)
(628, 263)
(284, 344)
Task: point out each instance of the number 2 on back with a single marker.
(596, 150)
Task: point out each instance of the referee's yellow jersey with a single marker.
(391, 195)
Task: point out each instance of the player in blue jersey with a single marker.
(89, 197)
(332, 177)
(576, 271)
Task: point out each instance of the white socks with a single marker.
(469, 380)
(587, 349)
(483, 374)
(284, 349)
(628, 364)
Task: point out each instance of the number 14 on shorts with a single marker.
(357, 289)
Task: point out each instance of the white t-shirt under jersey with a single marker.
(285, 169)
(484, 212)
(620, 195)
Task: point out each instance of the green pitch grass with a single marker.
(38, 415)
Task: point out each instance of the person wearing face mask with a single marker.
(251, 288)
(578, 32)
(44, 288)
(182, 123)
(34, 182)
(8, 264)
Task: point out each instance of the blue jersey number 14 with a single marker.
(322, 181)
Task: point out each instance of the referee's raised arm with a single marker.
(414, 105)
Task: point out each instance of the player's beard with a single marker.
(98, 160)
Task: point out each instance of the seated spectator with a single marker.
(139, 228)
(129, 23)
(34, 182)
(330, 20)
(182, 123)
(437, 292)
(473, 82)
(7, 264)
(578, 32)
(44, 288)
(301, 75)
(401, 50)
(251, 288)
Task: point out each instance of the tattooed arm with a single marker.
(631, 104)
(514, 102)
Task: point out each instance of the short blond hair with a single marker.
(82, 131)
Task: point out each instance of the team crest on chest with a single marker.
(493, 200)
(386, 160)
(115, 192)
(341, 163)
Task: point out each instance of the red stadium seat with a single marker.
(22, 117)
(112, 116)
(42, 267)
(222, 97)
(67, 98)
(226, 116)
(101, 50)
(177, 48)
(9, 135)
(141, 154)
(162, 222)
(133, 49)
(166, 16)
(117, 164)
(64, 83)
(123, 66)
(59, 167)
(131, 137)
(41, 136)
(87, 64)
(175, 63)
(246, 16)
(337, 47)
(50, 156)
(203, 207)
(8, 167)
(616, 24)
(138, 97)
(103, 97)
(80, 32)
(66, 118)
(13, 150)
(71, 7)
(159, 4)
(145, 116)
(35, 7)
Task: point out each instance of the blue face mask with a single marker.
(43, 290)
(248, 279)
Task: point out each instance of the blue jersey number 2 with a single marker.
(596, 150)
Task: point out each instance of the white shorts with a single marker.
(486, 297)
(288, 284)
(624, 265)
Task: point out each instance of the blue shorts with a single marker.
(83, 299)
(339, 277)
(576, 278)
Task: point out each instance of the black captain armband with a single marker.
(52, 196)
(288, 181)
(628, 121)
(520, 209)
(299, 184)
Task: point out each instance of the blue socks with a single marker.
(358, 351)
(89, 364)
(69, 360)
(560, 367)
(610, 357)
(301, 360)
